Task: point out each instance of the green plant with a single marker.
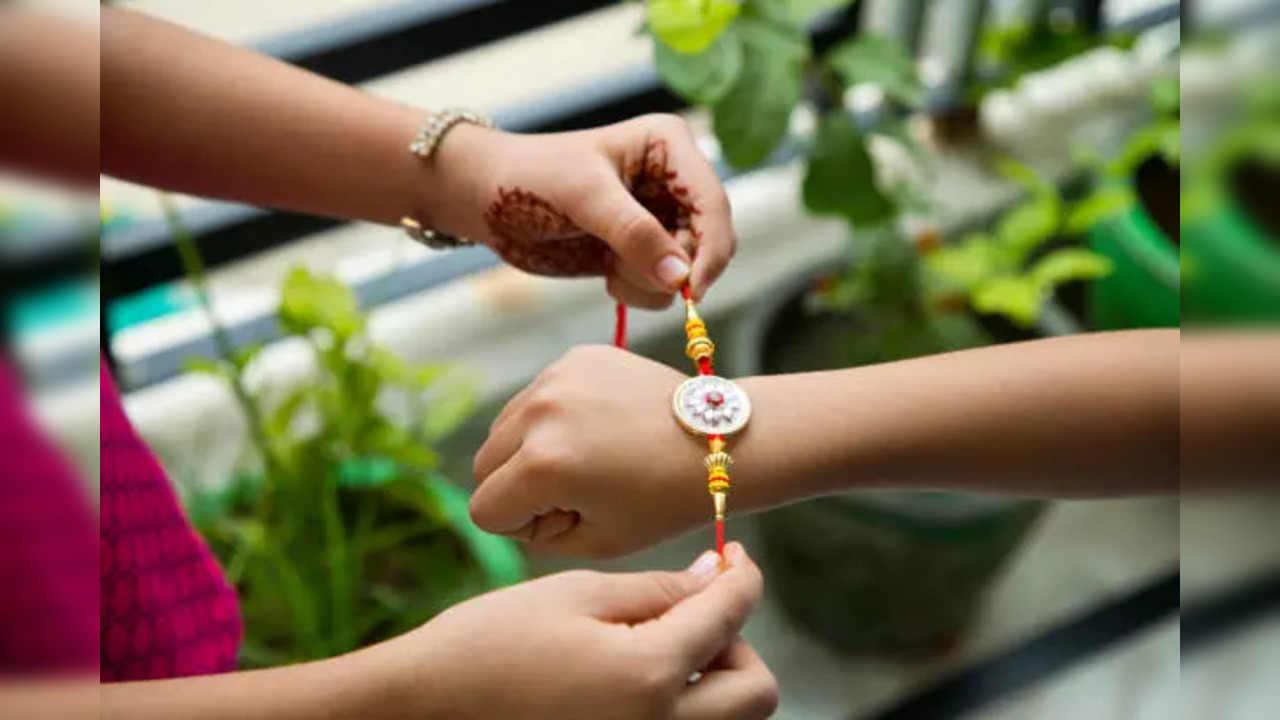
(345, 533)
(1003, 271)
(751, 67)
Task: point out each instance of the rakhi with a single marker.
(706, 405)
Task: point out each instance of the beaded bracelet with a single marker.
(424, 146)
(706, 405)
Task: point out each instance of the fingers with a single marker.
(742, 687)
(640, 241)
(504, 505)
(640, 597)
(702, 626)
(716, 241)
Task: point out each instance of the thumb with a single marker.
(634, 234)
(640, 597)
(704, 624)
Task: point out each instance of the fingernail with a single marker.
(706, 566)
(672, 270)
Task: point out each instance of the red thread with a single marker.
(704, 366)
(720, 537)
(620, 327)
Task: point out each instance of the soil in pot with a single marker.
(890, 574)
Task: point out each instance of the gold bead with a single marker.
(694, 327)
(721, 500)
(700, 347)
(718, 459)
(718, 487)
(718, 474)
(716, 444)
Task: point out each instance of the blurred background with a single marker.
(930, 175)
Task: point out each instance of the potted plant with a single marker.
(889, 573)
(343, 532)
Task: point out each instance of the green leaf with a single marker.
(966, 264)
(690, 26)
(1097, 208)
(1030, 225)
(753, 117)
(1019, 173)
(1166, 95)
(705, 77)
(882, 61)
(1070, 264)
(310, 302)
(1018, 298)
(499, 557)
(840, 178)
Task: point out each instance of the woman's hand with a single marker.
(589, 461)
(635, 202)
(592, 645)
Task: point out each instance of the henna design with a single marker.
(533, 235)
(652, 182)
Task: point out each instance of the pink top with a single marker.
(165, 609)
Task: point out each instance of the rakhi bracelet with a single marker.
(424, 146)
(706, 405)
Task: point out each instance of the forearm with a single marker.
(187, 113)
(1230, 411)
(353, 687)
(73, 699)
(1084, 416)
(49, 97)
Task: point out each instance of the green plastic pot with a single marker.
(1144, 288)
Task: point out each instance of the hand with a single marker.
(588, 460)
(635, 202)
(592, 645)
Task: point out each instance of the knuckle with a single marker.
(546, 459)
(765, 696)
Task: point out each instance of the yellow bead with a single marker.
(717, 474)
(718, 487)
(716, 445)
(700, 347)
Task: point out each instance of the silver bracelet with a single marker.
(424, 146)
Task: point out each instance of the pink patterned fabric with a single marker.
(166, 609)
(160, 607)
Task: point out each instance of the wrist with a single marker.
(449, 190)
(787, 454)
(393, 679)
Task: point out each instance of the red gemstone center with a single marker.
(715, 398)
